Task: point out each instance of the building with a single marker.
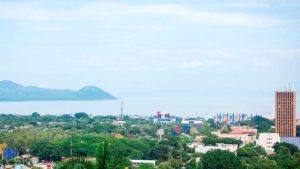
(251, 132)
(231, 118)
(238, 136)
(49, 165)
(119, 123)
(163, 118)
(291, 140)
(244, 133)
(285, 116)
(267, 141)
(220, 146)
(192, 121)
(136, 163)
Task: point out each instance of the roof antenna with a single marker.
(289, 86)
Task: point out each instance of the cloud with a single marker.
(224, 18)
(292, 54)
(214, 62)
(249, 4)
(219, 53)
(34, 11)
(262, 64)
(191, 64)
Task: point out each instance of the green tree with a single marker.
(75, 164)
(102, 156)
(292, 148)
(81, 115)
(251, 150)
(146, 166)
(205, 129)
(106, 160)
(192, 164)
(260, 123)
(218, 159)
(35, 115)
(160, 152)
(260, 163)
(284, 158)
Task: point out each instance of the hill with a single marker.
(11, 91)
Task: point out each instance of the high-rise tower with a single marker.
(285, 116)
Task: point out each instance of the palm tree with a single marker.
(102, 155)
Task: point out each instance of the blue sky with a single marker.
(179, 56)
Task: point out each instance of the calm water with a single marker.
(61, 107)
(182, 107)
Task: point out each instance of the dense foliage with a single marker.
(213, 140)
(82, 137)
(260, 123)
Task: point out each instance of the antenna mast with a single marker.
(122, 107)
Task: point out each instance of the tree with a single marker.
(102, 155)
(284, 158)
(226, 129)
(146, 166)
(218, 159)
(160, 152)
(81, 115)
(75, 164)
(35, 115)
(260, 163)
(297, 131)
(260, 123)
(106, 160)
(213, 140)
(165, 165)
(205, 129)
(292, 148)
(191, 164)
(66, 118)
(251, 150)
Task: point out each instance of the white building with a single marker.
(136, 163)
(221, 146)
(267, 140)
(119, 123)
(192, 121)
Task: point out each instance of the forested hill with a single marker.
(11, 91)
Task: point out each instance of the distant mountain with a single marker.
(11, 91)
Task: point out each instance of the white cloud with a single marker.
(249, 4)
(214, 62)
(34, 11)
(219, 53)
(191, 64)
(292, 54)
(263, 64)
(226, 18)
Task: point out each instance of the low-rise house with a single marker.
(136, 163)
(221, 146)
(26, 127)
(267, 141)
(48, 165)
(239, 136)
(119, 123)
(244, 133)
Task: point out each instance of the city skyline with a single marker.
(171, 56)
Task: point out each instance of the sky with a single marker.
(201, 56)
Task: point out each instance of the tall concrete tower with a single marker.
(285, 116)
